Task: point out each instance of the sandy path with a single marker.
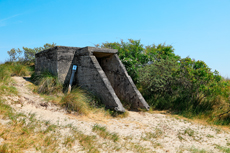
(168, 134)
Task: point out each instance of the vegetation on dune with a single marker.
(135, 55)
(6, 84)
(169, 82)
(15, 69)
(23, 132)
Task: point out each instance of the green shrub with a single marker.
(157, 82)
(131, 55)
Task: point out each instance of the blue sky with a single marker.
(199, 29)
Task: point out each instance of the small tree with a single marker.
(14, 54)
(29, 53)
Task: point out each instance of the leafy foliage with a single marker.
(168, 81)
(134, 55)
(157, 81)
(182, 85)
(131, 55)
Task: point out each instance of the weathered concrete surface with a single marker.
(122, 82)
(99, 71)
(65, 57)
(91, 77)
(46, 61)
(56, 60)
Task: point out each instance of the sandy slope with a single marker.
(168, 133)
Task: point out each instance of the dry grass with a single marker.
(25, 133)
(20, 70)
(46, 83)
(20, 135)
(76, 101)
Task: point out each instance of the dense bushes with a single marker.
(187, 85)
(168, 81)
(135, 56)
(157, 82)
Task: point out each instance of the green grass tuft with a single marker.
(102, 132)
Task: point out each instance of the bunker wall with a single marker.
(91, 77)
(46, 61)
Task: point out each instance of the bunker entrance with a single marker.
(113, 72)
(102, 58)
(106, 63)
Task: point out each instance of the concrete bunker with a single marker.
(100, 71)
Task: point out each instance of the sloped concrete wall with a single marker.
(121, 82)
